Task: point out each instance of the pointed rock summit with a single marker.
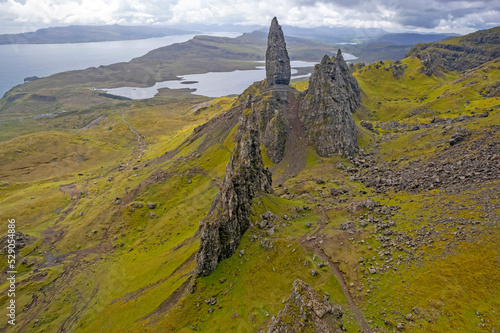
(278, 120)
(327, 107)
(278, 69)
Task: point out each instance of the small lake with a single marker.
(213, 84)
(25, 60)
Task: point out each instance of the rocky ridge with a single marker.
(307, 311)
(327, 107)
(270, 113)
(467, 52)
(228, 218)
(271, 107)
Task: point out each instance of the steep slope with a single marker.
(459, 54)
(228, 218)
(434, 160)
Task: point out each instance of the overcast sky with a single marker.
(393, 15)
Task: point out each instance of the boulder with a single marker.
(356, 206)
(307, 311)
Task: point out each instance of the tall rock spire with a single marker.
(278, 69)
(273, 117)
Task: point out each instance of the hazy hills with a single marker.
(87, 33)
(413, 38)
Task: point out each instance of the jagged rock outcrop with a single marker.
(21, 240)
(270, 108)
(278, 70)
(307, 311)
(228, 218)
(327, 107)
(271, 117)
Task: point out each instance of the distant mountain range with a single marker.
(335, 35)
(358, 35)
(104, 33)
(85, 34)
(414, 38)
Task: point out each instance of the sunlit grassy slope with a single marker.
(105, 261)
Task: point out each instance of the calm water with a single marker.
(211, 84)
(24, 60)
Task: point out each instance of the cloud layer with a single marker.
(426, 15)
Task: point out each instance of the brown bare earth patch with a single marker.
(294, 160)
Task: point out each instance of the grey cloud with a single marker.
(391, 14)
(421, 14)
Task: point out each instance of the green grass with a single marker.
(415, 95)
(271, 269)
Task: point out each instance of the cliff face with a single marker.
(459, 54)
(271, 107)
(327, 107)
(271, 117)
(278, 69)
(228, 218)
(261, 122)
(307, 311)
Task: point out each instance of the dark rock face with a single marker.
(228, 218)
(398, 69)
(278, 69)
(307, 311)
(271, 107)
(327, 107)
(31, 78)
(325, 120)
(458, 136)
(42, 98)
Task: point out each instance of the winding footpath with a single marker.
(314, 247)
(142, 147)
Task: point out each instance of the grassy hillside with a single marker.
(403, 237)
(460, 53)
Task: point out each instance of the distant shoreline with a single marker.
(89, 34)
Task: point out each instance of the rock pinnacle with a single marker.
(278, 69)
